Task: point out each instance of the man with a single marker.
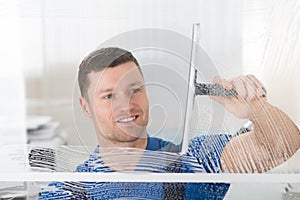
(113, 96)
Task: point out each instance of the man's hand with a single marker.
(274, 138)
(250, 99)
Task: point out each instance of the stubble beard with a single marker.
(123, 135)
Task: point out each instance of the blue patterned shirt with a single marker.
(205, 150)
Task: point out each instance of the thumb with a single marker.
(219, 99)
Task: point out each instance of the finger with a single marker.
(238, 85)
(255, 80)
(251, 86)
(246, 88)
(260, 89)
(261, 92)
(226, 84)
(217, 80)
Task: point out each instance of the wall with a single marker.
(12, 101)
(271, 50)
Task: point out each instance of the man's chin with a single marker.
(133, 136)
(130, 136)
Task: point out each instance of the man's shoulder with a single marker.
(209, 142)
(208, 139)
(207, 149)
(201, 141)
(158, 144)
(93, 164)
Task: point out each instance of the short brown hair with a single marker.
(98, 60)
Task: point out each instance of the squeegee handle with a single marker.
(213, 90)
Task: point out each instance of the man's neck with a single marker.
(140, 143)
(123, 156)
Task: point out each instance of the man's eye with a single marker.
(109, 96)
(135, 90)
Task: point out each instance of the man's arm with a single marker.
(274, 139)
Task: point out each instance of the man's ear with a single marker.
(85, 107)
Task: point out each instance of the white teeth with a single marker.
(127, 119)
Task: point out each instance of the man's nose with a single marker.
(123, 102)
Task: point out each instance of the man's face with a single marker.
(118, 105)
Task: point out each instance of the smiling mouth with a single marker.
(127, 119)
